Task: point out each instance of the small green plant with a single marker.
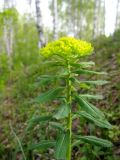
(65, 55)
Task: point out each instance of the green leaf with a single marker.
(57, 125)
(36, 120)
(44, 80)
(45, 144)
(40, 119)
(40, 83)
(62, 112)
(98, 82)
(76, 143)
(83, 64)
(95, 141)
(53, 63)
(62, 146)
(91, 96)
(82, 71)
(97, 110)
(48, 96)
(89, 108)
(99, 122)
(48, 77)
(51, 77)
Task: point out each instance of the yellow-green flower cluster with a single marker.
(67, 47)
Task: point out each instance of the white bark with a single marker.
(81, 20)
(99, 18)
(96, 18)
(55, 20)
(39, 24)
(8, 29)
(76, 19)
(69, 29)
(117, 24)
(8, 33)
(8, 37)
(102, 18)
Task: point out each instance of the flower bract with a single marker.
(67, 47)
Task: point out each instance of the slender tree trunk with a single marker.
(8, 31)
(8, 39)
(81, 19)
(95, 21)
(76, 19)
(102, 17)
(41, 42)
(8, 34)
(55, 20)
(104, 13)
(99, 18)
(69, 17)
(73, 16)
(117, 23)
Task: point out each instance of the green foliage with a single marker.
(8, 18)
(89, 108)
(99, 122)
(65, 96)
(62, 112)
(62, 145)
(57, 125)
(95, 141)
(16, 84)
(50, 95)
(43, 145)
(10, 13)
(4, 70)
(37, 120)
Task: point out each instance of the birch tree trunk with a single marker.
(104, 13)
(8, 34)
(55, 20)
(117, 23)
(102, 17)
(76, 19)
(81, 19)
(39, 24)
(95, 21)
(8, 37)
(99, 18)
(69, 16)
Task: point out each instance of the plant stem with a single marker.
(69, 119)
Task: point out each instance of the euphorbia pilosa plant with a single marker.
(67, 53)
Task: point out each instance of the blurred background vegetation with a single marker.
(21, 36)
